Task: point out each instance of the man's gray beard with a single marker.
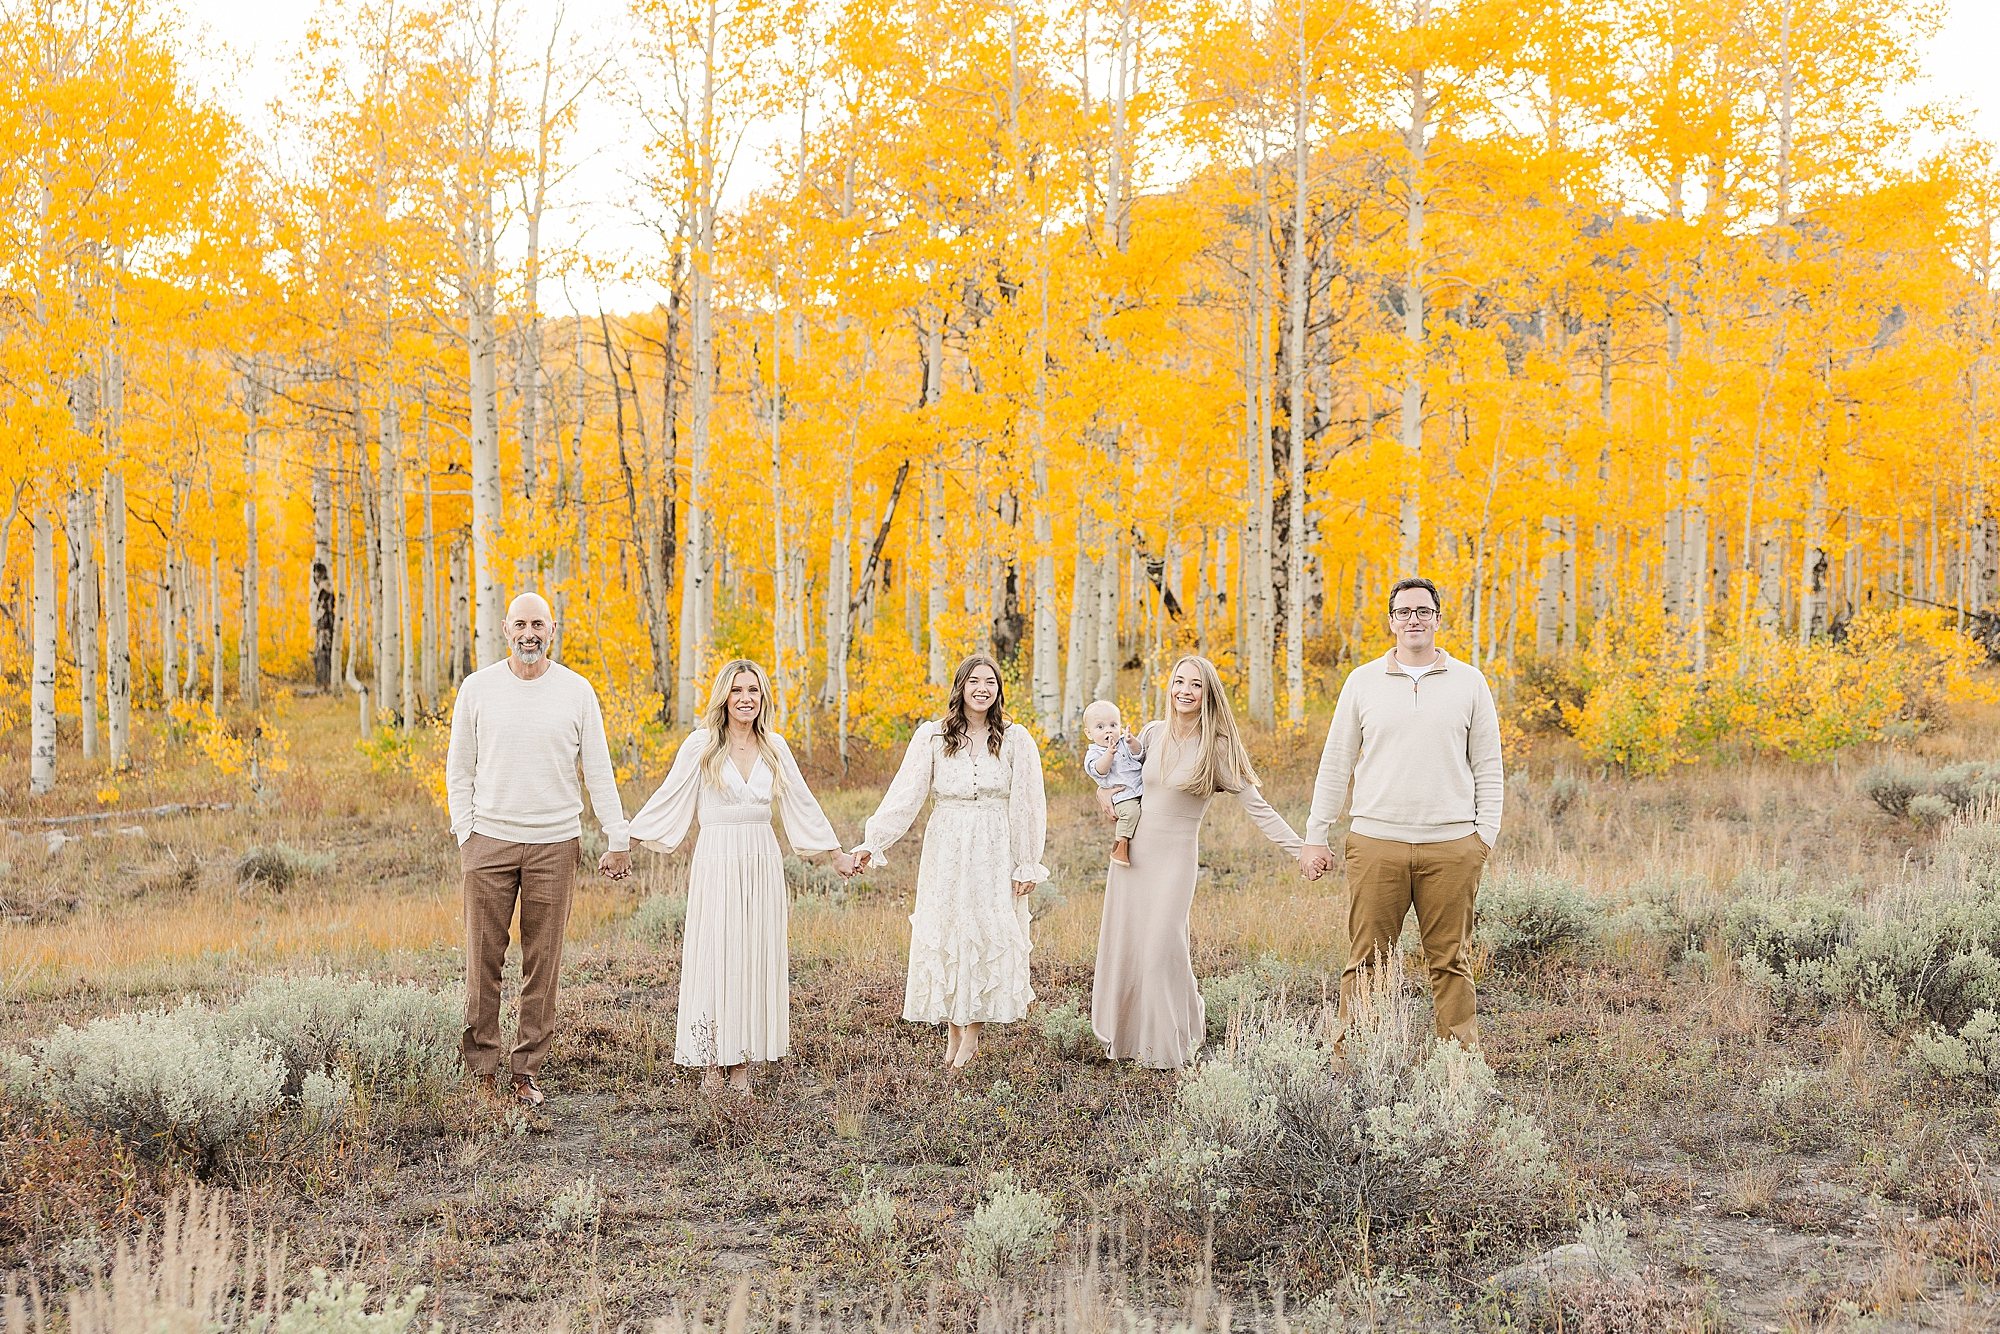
(528, 656)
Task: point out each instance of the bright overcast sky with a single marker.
(252, 40)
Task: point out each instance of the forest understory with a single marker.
(1770, 1164)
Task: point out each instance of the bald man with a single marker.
(520, 731)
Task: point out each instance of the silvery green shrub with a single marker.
(332, 1307)
(1274, 1132)
(658, 920)
(1522, 916)
(873, 1211)
(1067, 1028)
(391, 1040)
(574, 1209)
(1011, 1229)
(1932, 796)
(1247, 988)
(161, 1078)
(199, 1078)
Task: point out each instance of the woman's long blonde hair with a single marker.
(1223, 765)
(716, 720)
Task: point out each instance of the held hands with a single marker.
(1314, 861)
(615, 865)
(845, 864)
(857, 860)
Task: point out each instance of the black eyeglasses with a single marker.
(1413, 613)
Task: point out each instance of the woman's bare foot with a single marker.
(711, 1080)
(739, 1081)
(968, 1046)
(952, 1043)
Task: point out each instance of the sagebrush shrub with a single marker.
(1246, 988)
(160, 1078)
(873, 1211)
(1275, 1134)
(1522, 916)
(574, 1210)
(1067, 1028)
(279, 864)
(1935, 795)
(331, 1307)
(389, 1040)
(659, 918)
(1010, 1230)
(200, 1079)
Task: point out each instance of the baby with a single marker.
(1115, 761)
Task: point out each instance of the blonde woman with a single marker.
(1144, 1003)
(982, 857)
(735, 1003)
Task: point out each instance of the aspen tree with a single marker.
(42, 687)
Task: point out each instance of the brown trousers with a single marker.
(540, 877)
(1384, 880)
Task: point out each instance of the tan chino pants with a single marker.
(1384, 879)
(540, 876)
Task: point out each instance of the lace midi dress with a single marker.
(735, 997)
(969, 931)
(1145, 1004)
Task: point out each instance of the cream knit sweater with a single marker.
(511, 771)
(1424, 756)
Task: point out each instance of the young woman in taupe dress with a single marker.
(1144, 1003)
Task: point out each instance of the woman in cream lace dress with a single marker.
(1144, 1002)
(982, 855)
(735, 1002)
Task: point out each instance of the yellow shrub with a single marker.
(1646, 708)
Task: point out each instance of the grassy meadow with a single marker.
(1740, 1149)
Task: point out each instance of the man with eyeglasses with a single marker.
(1417, 733)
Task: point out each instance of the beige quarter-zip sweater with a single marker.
(516, 746)
(1424, 754)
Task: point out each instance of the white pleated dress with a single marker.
(735, 1002)
(969, 931)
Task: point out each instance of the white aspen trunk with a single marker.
(1202, 594)
(1548, 589)
(695, 572)
(83, 612)
(406, 692)
(1109, 570)
(1263, 595)
(429, 638)
(936, 608)
(1813, 563)
(1416, 142)
(117, 593)
(248, 684)
(170, 628)
(461, 609)
(838, 579)
(1047, 659)
(1696, 552)
(780, 564)
(489, 609)
(42, 690)
(1570, 532)
(1295, 563)
(1082, 609)
(215, 629)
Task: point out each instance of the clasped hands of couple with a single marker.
(1314, 860)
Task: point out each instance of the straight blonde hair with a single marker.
(1223, 764)
(716, 719)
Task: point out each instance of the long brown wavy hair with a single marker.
(956, 725)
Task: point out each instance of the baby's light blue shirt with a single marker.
(1127, 770)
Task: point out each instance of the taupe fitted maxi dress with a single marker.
(1144, 1003)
